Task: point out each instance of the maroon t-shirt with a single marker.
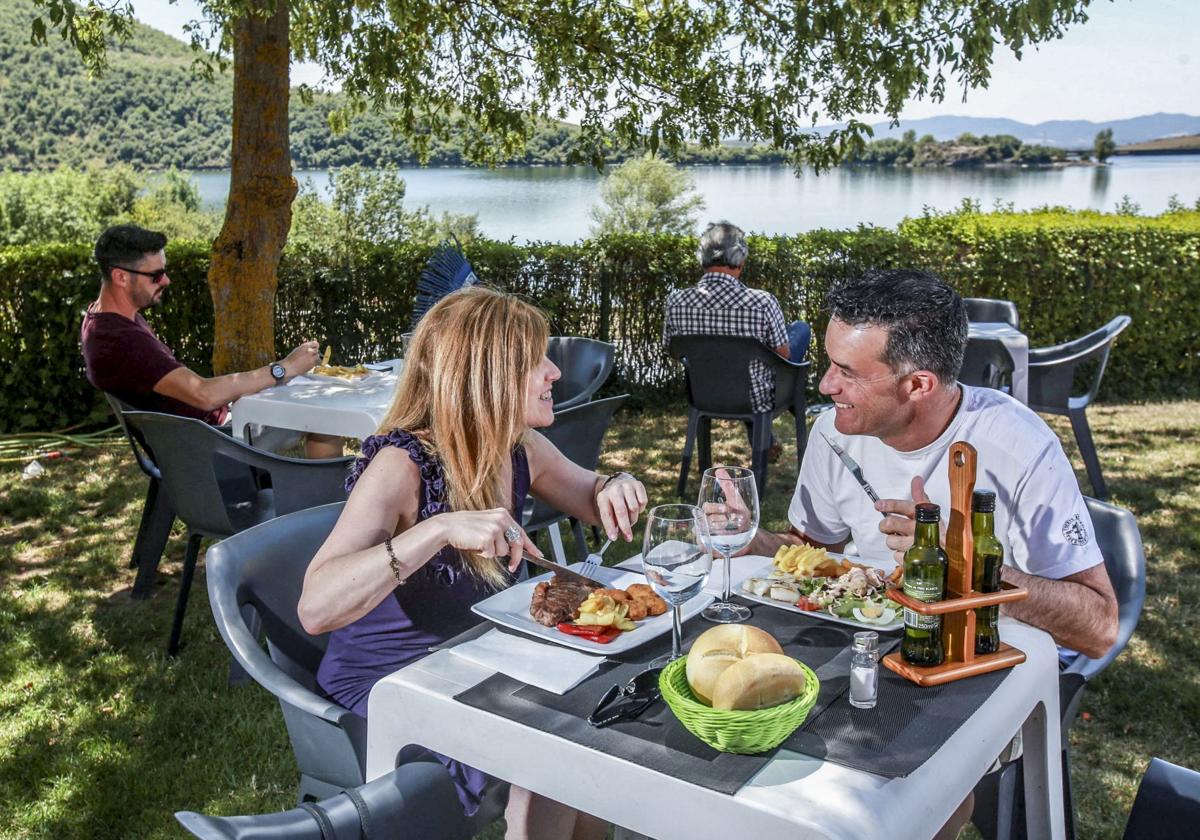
(126, 359)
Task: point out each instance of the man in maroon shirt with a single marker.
(125, 358)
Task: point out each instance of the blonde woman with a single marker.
(432, 523)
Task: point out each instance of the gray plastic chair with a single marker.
(199, 468)
(585, 364)
(1167, 805)
(1052, 387)
(157, 514)
(991, 310)
(717, 372)
(987, 364)
(416, 801)
(254, 582)
(999, 797)
(579, 434)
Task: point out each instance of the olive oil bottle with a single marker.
(925, 567)
(985, 571)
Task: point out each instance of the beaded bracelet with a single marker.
(394, 562)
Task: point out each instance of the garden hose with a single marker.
(24, 446)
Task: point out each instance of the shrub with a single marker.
(1068, 272)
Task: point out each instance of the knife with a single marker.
(854, 468)
(562, 571)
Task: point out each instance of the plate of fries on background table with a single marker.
(340, 373)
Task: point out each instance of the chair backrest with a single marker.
(1167, 805)
(416, 800)
(717, 369)
(985, 310)
(1120, 543)
(578, 433)
(986, 363)
(585, 364)
(208, 479)
(260, 573)
(1052, 369)
(141, 453)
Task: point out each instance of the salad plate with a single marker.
(844, 608)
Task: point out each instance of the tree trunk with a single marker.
(242, 277)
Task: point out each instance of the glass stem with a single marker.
(677, 631)
(728, 557)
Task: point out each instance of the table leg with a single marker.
(1020, 378)
(1043, 773)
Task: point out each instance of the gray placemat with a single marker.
(656, 739)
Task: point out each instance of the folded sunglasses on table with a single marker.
(628, 701)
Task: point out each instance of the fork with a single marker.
(592, 563)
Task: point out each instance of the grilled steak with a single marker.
(557, 601)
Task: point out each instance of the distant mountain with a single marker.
(1064, 134)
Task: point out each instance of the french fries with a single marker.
(601, 609)
(342, 371)
(807, 561)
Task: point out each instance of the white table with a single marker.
(345, 409)
(1017, 345)
(794, 796)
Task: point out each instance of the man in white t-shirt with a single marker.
(895, 344)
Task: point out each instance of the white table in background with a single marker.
(1017, 345)
(794, 796)
(350, 409)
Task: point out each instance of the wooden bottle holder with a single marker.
(958, 608)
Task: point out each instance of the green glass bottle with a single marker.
(985, 572)
(925, 567)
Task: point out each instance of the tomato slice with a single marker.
(808, 604)
(601, 634)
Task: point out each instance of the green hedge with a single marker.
(1069, 272)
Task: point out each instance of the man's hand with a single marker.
(302, 359)
(900, 521)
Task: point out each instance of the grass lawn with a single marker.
(102, 736)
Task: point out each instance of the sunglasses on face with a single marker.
(628, 701)
(155, 276)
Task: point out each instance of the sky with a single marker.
(1132, 57)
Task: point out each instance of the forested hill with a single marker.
(150, 110)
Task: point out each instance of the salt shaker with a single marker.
(864, 670)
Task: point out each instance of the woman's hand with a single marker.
(620, 502)
(487, 532)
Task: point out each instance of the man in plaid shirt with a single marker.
(721, 305)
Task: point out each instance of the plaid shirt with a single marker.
(721, 305)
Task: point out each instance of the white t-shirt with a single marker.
(1041, 518)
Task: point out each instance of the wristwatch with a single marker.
(278, 372)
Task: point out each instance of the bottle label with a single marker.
(921, 622)
(928, 591)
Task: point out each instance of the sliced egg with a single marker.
(887, 617)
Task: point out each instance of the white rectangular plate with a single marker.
(765, 571)
(343, 380)
(510, 608)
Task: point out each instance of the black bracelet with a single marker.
(614, 477)
(394, 562)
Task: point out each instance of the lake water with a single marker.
(551, 203)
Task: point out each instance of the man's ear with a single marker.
(922, 384)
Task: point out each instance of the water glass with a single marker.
(729, 499)
(676, 562)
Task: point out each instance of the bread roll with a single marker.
(759, 682)
(720, 647)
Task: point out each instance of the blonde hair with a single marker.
(462, 395)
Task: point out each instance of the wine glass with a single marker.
(676, 562)
(729, 499)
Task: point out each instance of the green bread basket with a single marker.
(743, 732)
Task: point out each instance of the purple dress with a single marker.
(432, 606)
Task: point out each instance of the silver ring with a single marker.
(512, 533)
